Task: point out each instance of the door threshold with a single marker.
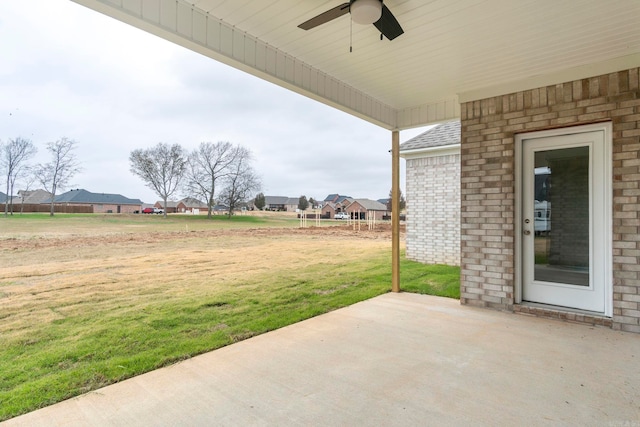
(563, 313)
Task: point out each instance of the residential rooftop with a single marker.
(442, 135)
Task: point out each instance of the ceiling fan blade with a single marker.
(325, 17)
(388, 25)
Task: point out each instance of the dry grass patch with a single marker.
(91, 300)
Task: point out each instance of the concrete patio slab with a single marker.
(395, 360)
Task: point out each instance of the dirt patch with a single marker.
(381, 231)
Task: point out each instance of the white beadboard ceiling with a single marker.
(452, 50)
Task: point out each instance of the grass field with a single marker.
(88, 300)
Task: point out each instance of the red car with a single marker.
(147, 210)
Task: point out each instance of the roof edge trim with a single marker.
(442, 150)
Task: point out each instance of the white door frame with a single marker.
(607, 251)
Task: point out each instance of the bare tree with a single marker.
(24, 173)
(56, 174)
(241, 182)
(161, 168)
(207, 165)
(28, 181)
(13, 156)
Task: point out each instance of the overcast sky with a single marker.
(67, 71)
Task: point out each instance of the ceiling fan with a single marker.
(362, 12)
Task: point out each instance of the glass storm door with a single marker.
(564, 220)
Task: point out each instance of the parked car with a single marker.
(147, 210)
(158, 211)
(341, 215)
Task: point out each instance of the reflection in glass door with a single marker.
(561, 216)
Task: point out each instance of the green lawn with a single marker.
(439, 280)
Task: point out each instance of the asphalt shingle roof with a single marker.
(37, 196)
(275, 200)
(84, 196)
(337, 198)
(292, 201)
(371, 205)
(170, 203)
(191, 202)
(439, 136)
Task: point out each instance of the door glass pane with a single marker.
(561, 216)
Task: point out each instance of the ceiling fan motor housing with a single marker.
(365, 11)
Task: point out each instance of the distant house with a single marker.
(186, 205)
(433, 194)
(191, 205)
(366, 209)
(29, 201)
(280, 203)
(275, 203)
(220, 208)
(292, 204)
(334, 203)
(336, 198)
(170, 207)
(100, 202)
(34, 196)
(329, 210)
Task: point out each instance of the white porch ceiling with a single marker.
(452, 50)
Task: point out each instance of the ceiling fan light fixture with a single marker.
(366, 11)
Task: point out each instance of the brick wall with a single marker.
(328, 211)
(433, 209)
(108, 208)
(489, 127)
